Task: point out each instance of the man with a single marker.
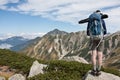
(96, 29)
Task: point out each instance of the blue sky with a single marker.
(37, 17)
(13, 22)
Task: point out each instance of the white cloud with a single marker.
(25, 35)
(2, 2)
(67, 10)
(5, 36)
(31, 35)
(113, 23)
(3, 7)
(5, 46)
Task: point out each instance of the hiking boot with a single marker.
(93, 72)
(98, 72)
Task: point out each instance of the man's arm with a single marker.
(83, 21)
(104, 16)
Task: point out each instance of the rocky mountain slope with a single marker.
(112, 50)
(58, 44)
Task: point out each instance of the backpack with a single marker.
(95, 24)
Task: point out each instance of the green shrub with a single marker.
(56, 70)
(63, 70)
(15, 60)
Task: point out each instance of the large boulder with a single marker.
(17, 77)
(75, 58)
(36, 68)
(103, 76)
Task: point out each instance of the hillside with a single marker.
(65, 70)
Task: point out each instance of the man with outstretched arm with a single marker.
(96, 29)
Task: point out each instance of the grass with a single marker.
(56, 70)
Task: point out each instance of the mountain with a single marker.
(112, 50)
(56, 31)
(58, 44)
(21, 46)
(11, 42)
(34, 41)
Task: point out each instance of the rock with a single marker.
(2, 78)
(36, 68)
(76, 58)
(17, 77)
(103, 76)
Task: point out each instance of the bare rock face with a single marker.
(36, 68)
(103, 76)
(17, 77)
(76, 58)
(56, 45)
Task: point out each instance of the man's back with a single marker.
(96, 25)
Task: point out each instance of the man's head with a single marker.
(97, 11)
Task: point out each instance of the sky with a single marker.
(31, 18)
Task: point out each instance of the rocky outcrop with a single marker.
(75, 58)
(103, 76)
(17, 77)
(36, 68)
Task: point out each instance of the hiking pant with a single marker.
(94, 45)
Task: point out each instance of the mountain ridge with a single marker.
(12, 41)
(58, 46)
(56, 31)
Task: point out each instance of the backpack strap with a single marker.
(102, 33)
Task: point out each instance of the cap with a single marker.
(97, 11)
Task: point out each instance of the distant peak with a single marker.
(56, 31)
